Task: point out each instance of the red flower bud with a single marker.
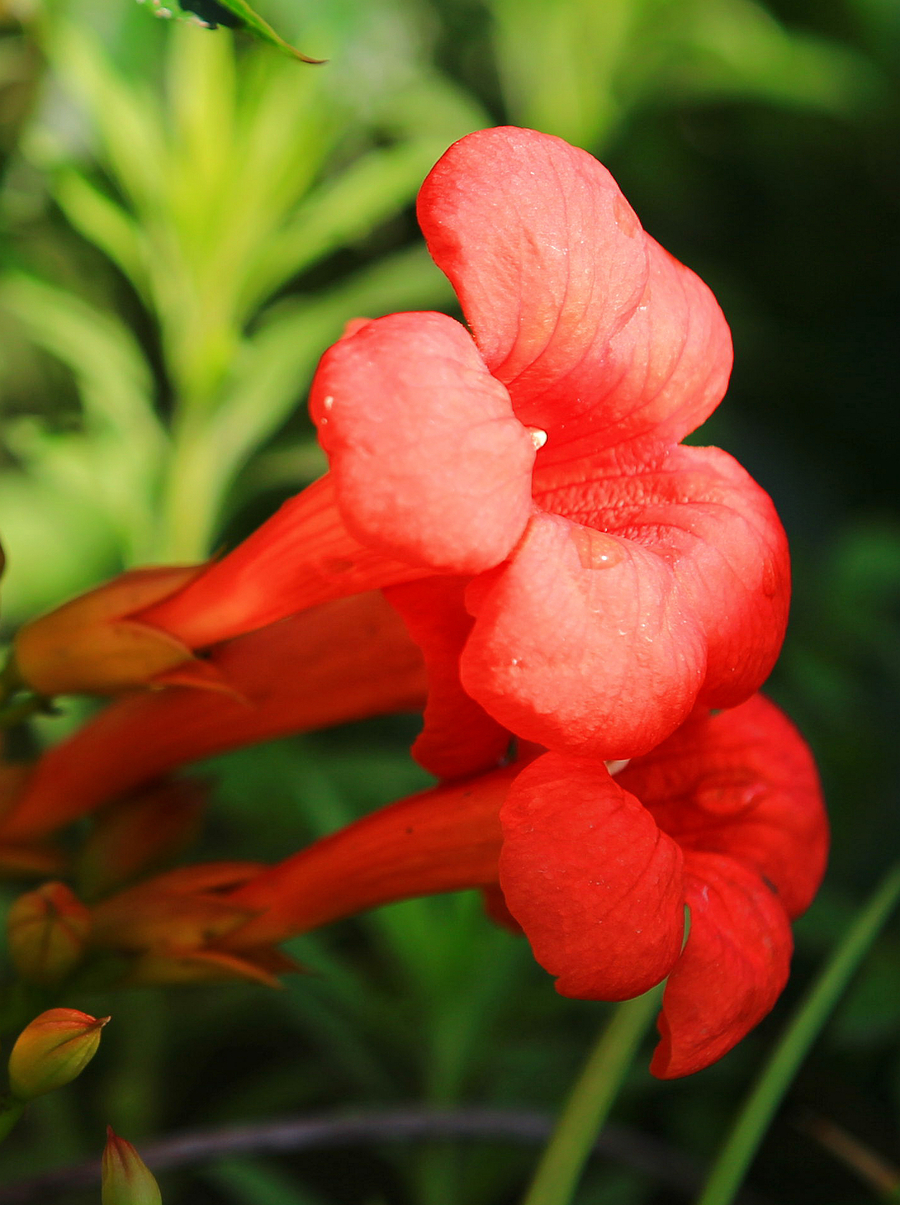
(53, 1050)
(47, 930)
(126, 1179)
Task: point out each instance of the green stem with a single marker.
(753, 1120)
(592, 1097)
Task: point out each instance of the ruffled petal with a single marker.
(459, 737)
(342, 661)
(304, 555)
(670, 586)
(588, 322)
(591, 879)
(663, 375)
(430, 463)
(733, 968)
(741, 783)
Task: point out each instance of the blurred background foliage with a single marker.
(188, 219)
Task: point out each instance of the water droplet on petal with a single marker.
(595, 549)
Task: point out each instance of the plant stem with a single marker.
(739, 1148)
(588, 1105)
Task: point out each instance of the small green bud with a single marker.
(126, 1179)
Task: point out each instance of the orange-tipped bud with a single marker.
(48, 931)
(91, 646)
(52, 1051)
(126, 1179)
(133, 837)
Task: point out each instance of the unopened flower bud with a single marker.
(52, 1050)
(91, 645)
(126, 1179)
(48, 930)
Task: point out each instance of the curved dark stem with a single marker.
(655, 1159)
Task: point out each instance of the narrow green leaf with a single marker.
(591, 1099)
(749, 1129)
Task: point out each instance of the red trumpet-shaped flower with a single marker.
(596, 579)
(725, 819)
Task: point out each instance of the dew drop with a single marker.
(596, 550)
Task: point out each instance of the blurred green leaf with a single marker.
(624, 55)
(251, 1182)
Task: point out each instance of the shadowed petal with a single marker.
(459, 737)
(733, 968)
(591, 879)
(430, 463)
(741, 783)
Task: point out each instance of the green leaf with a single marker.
(236, 14)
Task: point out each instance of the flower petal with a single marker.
(733, 968)
(430, 463)
(581, 314)
(459, 737)
(741, 783)
(603, 662)
(591, 879)
(599, 639)
(663, 374)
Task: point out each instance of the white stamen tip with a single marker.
(538, 438)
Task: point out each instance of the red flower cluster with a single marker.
(616, 579)
(574, 577)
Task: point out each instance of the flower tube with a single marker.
(342, 661)
(724, 822)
